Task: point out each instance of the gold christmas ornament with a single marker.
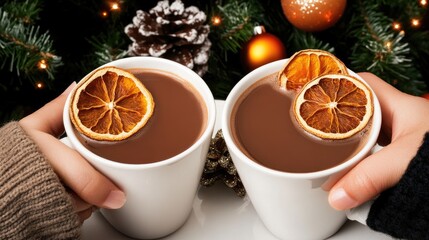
(313, 15)
(261, 49)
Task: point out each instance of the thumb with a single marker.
(371, 176)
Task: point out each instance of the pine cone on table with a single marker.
(219, 166)
(172, 31)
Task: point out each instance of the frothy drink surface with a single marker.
(178, 121)
(262, 128)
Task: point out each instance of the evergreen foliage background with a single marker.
(74, 38)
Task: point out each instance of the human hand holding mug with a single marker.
(86, 186)
(161, 189)
(404, 125)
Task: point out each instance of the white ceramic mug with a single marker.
(159, 195)
(291, 205)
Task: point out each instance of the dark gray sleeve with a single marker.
(403, 210)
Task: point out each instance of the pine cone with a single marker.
(219, 166)
(173, 32)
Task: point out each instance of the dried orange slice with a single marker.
(110, 104)
(308, 64)
(333, 106)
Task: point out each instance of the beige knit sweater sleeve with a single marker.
(33, 202)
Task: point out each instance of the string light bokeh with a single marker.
(40, 85)
(112, 6)
(415, 22)
(216, 21)
(42, 64)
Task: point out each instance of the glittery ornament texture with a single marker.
(313, 15)
(219, 167)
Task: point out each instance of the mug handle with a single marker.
(67, 142)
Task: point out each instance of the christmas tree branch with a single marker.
(23, 47)
(107, 47)
(299, 40)
(382, 51)
(238, 20)
(26, 12)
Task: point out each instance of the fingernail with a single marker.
(69, 88)
(340, 200)
(115, 199)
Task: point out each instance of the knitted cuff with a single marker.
(403, 210)
(33, 202)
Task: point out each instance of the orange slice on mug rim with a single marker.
(110, 104)
(333, 106)
(306, 65)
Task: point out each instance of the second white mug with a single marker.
(291, 205)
